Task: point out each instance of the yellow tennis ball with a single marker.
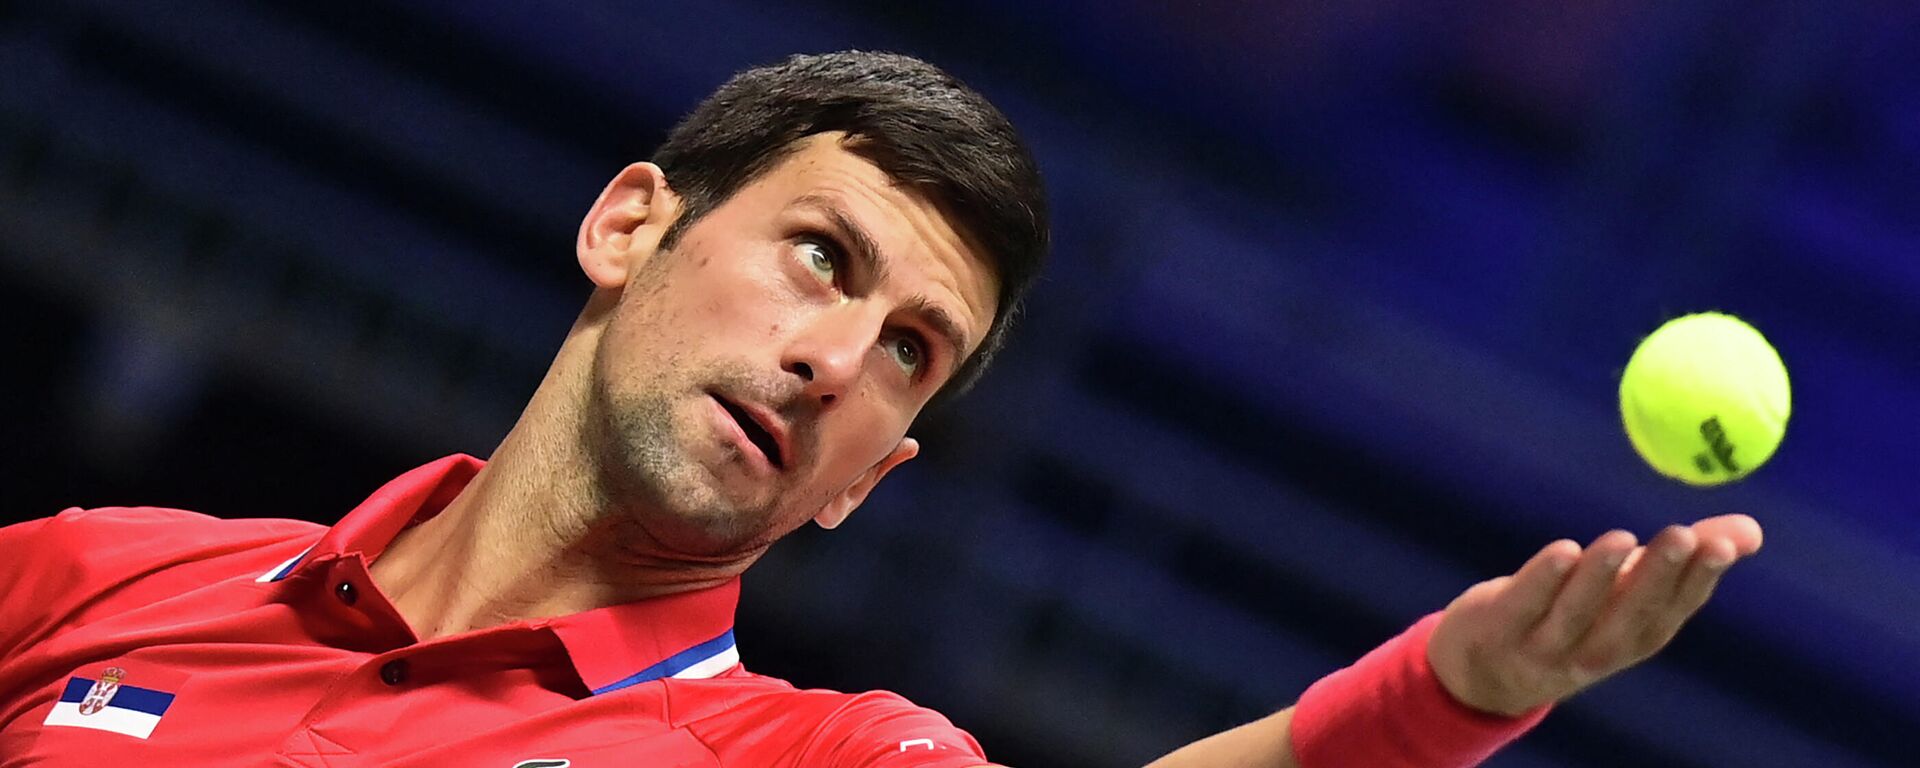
(1705, 399)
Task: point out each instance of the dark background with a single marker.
(1335, 323)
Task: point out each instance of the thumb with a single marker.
(1742, 530)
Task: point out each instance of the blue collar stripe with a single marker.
(674, 664)
(280, 571)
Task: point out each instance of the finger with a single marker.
(1703, 574)
(1710, 561)
(1743, 531)
(1529, 592)
(1632, 561)
(1579, 602)
(1641, 605)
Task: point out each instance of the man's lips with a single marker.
(764, 430)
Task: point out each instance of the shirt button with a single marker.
(394, 672)
(346, 592)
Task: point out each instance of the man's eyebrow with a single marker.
(943, 324)
(863, 246)
(867, 252)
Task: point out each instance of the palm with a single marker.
(1571, 616)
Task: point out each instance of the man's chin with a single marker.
(713, 522)
(692, 501)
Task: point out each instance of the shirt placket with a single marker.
(347, 612)
(382, 702)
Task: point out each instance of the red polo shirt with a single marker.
(156, 637)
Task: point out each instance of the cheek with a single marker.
(654, 331)
(746, 296)
(701, 297)
(864, 434)
(644, 326)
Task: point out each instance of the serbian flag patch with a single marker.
(110, 701)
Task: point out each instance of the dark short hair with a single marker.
(921, 126)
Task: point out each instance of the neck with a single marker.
(533, 535)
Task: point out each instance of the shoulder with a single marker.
(783, 725)
(882, 728)
(150, 534)
(106, 545)
(160, 521)
(67, 570)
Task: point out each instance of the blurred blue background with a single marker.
(1340, 300)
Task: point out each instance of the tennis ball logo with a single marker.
(1719, 448)
(1705, 399)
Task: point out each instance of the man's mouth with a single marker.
(757, 433)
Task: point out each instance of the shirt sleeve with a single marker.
(883, 730)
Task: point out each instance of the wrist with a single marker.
(1390, 710)
(1473, 698)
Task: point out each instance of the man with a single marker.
(818, 251)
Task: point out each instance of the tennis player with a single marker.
(820, 250)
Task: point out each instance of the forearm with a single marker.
(1263, 743)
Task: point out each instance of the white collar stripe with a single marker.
(701, 661)
(280, 571)
(709, 667)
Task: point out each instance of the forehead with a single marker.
(926, 255)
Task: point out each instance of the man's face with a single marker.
(764, 370)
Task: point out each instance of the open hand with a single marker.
(1571, 617)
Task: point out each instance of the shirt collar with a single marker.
(686, 635)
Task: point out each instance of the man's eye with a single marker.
(819, 258)
(907, 354)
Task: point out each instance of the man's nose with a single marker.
(829, 352)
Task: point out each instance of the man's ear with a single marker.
(624, 226)
(841, 506)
